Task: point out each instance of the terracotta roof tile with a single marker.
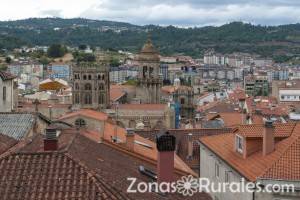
(87, 113)
(116, 94)
(142, 106)
(6, 76)
(230, 119)
(50, 176)
(6, 143)
(256, 130)
(287, 167)
(84, 168)
(149, 151)
(283, 162)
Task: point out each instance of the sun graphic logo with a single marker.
(187, 185)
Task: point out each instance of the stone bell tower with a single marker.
(149, 78)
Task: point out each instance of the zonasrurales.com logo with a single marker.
(187, 185)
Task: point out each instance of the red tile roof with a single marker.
(86, 113)
(142, 106)
(6, 143)
(6, 76)
(50, 176)
(237, 94)
(116, 94)
(283, 163)
(111, 130)
(81, 168)
(230, 119)
(256, 130)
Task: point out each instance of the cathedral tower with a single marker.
(149, 78)
(90, 86)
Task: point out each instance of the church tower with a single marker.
(90, 86)
(149, 78)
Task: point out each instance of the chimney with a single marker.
(50, 141)
(190, 145)
(166, 144)
(268, 138)
(130, 139)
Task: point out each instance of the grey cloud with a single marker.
(196, 12)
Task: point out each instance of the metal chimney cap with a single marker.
(166, 142)
(269, 124)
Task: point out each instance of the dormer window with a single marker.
(239, 143)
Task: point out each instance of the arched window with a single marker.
(76, 86)
(77, 99)
(101, 86)
(90, 77)
(80, 123)
(84, 77)
(88, 86)
(88, 99)
(99, 76)
(103, 77)
(101, 99)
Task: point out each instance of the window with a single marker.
(99, 76)
(182, 101)
(239, 143)
(217, 170)
(227, 176)
(101, 86)
(4, 93)
(88, 99)
(90, 77)
(84, 77)
(80, 122)
(103, 77)
(88, 86)
(76, 86)
(76, 98)
(76, 76)
(101, 99)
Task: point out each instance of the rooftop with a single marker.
(282, 163)
(86, 113)
(6, 76)
(16, 125)
(80, 169)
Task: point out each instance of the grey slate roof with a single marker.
(16, 125)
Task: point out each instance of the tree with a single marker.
(44, 60)
(82, 47)
(114, 62)
(84, 57)
(8, 60)
(56, 51)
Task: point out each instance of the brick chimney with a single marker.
(166, 144)
(190, 145)
(130, 139)
(50, 141)
(268, 138)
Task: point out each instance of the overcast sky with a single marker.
(162, 12)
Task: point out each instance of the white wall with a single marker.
(6, 106)
(207, 169)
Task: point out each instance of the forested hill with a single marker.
(236, 36)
